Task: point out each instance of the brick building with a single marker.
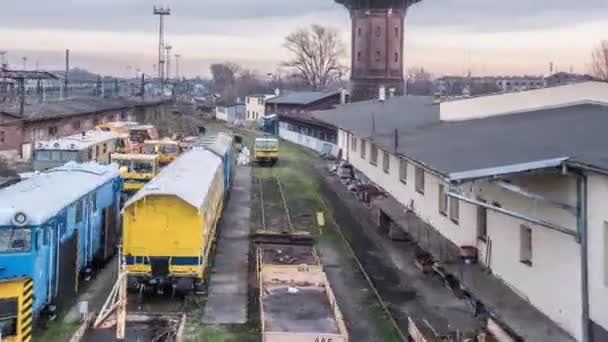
(43, 121)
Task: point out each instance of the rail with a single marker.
(265, 203)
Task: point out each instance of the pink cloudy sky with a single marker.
(445, 36)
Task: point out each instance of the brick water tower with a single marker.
(377, 46)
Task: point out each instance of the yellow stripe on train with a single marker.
(17, 297)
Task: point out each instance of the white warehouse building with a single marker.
(521, 177)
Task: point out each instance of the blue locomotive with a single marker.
(54, 229)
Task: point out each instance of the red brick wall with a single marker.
(11, 133)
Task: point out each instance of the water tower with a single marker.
(377, 46)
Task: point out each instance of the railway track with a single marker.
(275, 217)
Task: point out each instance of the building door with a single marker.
(26, 151)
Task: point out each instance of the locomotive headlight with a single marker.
(20, 219)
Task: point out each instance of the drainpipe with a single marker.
(581, 185)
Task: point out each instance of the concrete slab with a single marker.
(96, 292)
(227, 302)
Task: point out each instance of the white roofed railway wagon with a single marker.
(87, 146)
(169, 225)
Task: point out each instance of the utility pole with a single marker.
(67, 72)
(161, 12)
(24, 59)
(177, 57)
(168, 48)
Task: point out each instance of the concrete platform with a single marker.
(227, 303)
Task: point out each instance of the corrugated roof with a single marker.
(397, 112)
(576, 133)
(189, 178)
(71, 107)
(45, 194)
(301, 97)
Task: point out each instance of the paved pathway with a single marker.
(227, 302)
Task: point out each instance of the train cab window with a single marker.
(8, 316)
(56, 155)
(168, 149)
(69, 155)
(105, 148)
(15, 240)
(43, 155)
(143, 167)
(78, 211)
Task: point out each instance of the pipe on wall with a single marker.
(514, 214)
(581, 185)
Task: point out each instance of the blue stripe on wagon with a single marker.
(179, 261)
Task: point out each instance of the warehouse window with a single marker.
(358, 55)
(403, 170)
(386, 163)
(454, 210)
(443, 200)
(482, 221)
(363, 148)
(1, 136)
(420, 180)
(76, 125)
(396, 57)
(374, 155)
(78, 213)
(525, 245)
(353, 144)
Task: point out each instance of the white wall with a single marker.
(255, 107)
(308, 141)
(485, 106)
(598, 254)
(552, 283)
(221, 113)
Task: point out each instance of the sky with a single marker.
(444, 36)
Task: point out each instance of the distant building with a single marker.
(520, 83)
(48, 120)
(230, 112)
(255, 106)
(296, 123)
(565, 77)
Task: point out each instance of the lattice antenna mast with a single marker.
(161, 12)
(168, 48)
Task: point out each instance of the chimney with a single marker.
(382, 93)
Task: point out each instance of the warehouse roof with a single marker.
(189, 178)
(45, 194)
(301, 97)
(72, 107)
(368, 117)
(538, 139)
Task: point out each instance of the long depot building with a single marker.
(520, 178)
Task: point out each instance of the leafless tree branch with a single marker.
(599, 61)
(315, 55)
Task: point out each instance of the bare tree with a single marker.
(599, 61)
(315, 55)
